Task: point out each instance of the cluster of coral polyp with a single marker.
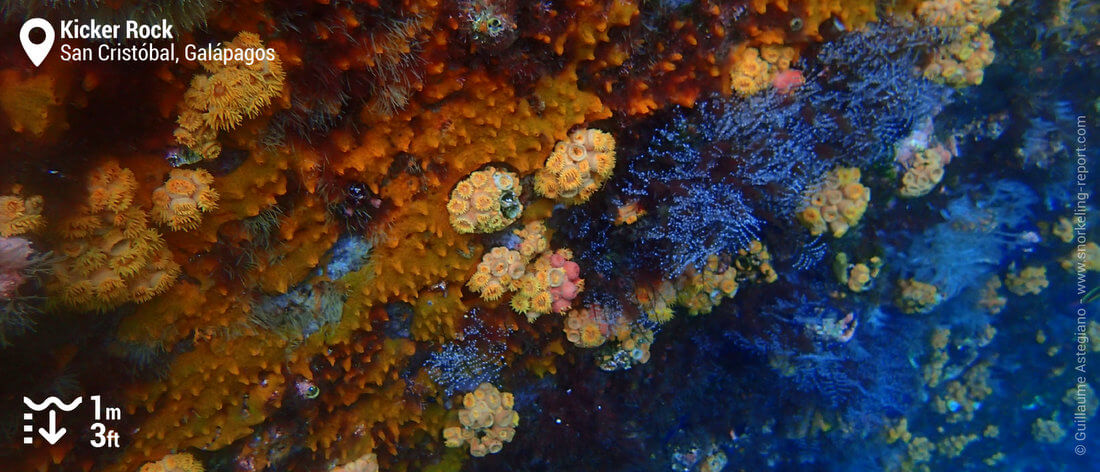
(923, 169)
(915, 296)
(488, 421)
(110, 255)
(180, 202)
(963, 60)
(19, 214)
(233, 91)
(552, 284)
(485, 201)
(587, 327)
(837, 204)
(544, 281)
(577, 167)
(499, 272)
(755, 69)
(700, 290)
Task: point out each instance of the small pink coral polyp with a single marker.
(563, 278)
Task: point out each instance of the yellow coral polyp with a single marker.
(577, 167)
(1031, 280)
(20, 215)
(485, 201)
(500, 271)
(110, 256)
(923, 170)
(234, 91)
(915, 296)
(754, 68)
(185, 195)
(541, 302)
(179, 186)
(837, 204)
(586, 328)
(457, 206)
(487, 420)
(962, 61)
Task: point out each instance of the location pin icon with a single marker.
(36, 52)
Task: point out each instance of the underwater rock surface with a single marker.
(571, 235)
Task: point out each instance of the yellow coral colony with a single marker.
(837, 204)
(1031, 280)
(915, 296)
(657, 302)
(577, 167)
(550, 285)
(488, 421)
(701, 290)
(754, 69)
(532, 240)
(991, 300)
(633, 342)
(589, 327)
(109, 254)
(856, 276)
(962, 61)
(234, 91)
(19, 214)
(923, 171)
(498, 273)
(485, 201)
(180, 202)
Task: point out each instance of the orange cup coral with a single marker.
(234, 91)
(551, 284)
(963, 60)
(20, 215)
(532, 239)
(485, 201)
(837, 204)
(577, 167)
(590, 326)
(109, 254)
(631, 348)
(915, 296)
(1031, 280)
(498, 273)
(923, 170)
(754, 69)
(488, 421)
(180, 202)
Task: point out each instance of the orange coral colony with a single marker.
(180, 202)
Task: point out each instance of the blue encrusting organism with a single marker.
(714, 177)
